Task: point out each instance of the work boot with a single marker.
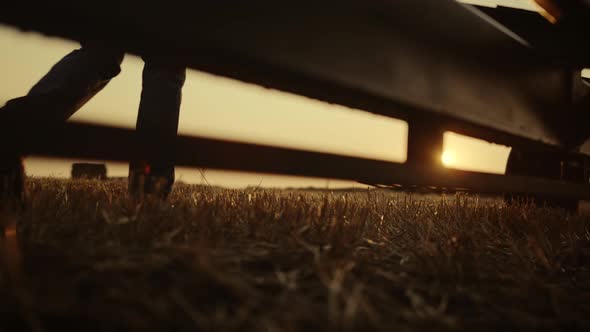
(150, 180)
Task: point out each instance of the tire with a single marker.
(545, 165)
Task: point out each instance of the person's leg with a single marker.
(61, 92)
(157, 125)
(66, 87)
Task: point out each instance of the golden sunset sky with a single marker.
(223, 108)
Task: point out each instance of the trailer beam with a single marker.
(75, 140)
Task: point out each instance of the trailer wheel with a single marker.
(546, 165)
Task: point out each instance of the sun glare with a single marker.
(448, 158)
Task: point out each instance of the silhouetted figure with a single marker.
(82, 74)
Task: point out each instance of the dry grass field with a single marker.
(269, 260)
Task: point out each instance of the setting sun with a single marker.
(448, 158)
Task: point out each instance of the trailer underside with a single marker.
(439, 65)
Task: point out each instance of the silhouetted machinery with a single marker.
(504, 75)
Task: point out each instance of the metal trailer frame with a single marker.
(437, 64)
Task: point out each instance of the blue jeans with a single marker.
(80, 75)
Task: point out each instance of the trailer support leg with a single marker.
(425, 144)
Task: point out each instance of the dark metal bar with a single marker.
(425, 143)
(563, 40)
(563, 43)
(75, 140)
